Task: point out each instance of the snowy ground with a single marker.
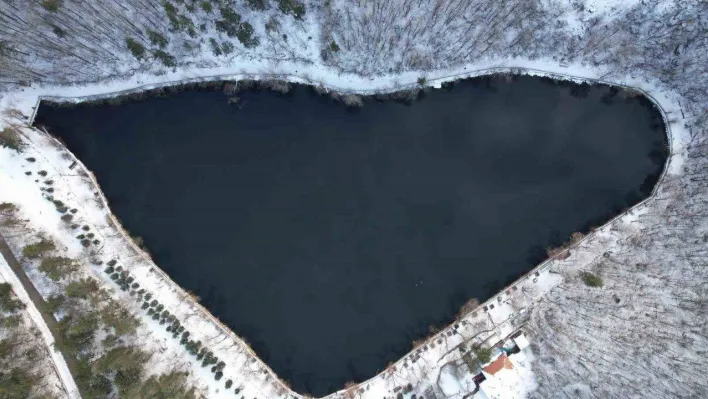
(59, 377)
(645, 319)
(422, 368)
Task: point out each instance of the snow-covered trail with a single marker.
(60, 365)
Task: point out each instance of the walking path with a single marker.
(50, 330)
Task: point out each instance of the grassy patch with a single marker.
(34, 251)
(7, 302)
(10, 138)
(165, 58)
(137, 49)
(591, 280)
(484, 355)
(7, 208)
(292, 7)
(82, 288)
(157, 39)
(51, 5)
(57, 268)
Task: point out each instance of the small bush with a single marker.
(230, 22)
(51, 5)
(157, 39)
(484, 355)
(58, 31)
(218, 375)
(422, 80)
(34, 251)
(53, 303)
(85, 228)
(258, 5)
(86, 243)
(229, 383)
(67, 217)
(112, 262)
(81, 288)
(7, 302)
(42, 173)
(207, 7)
(165, 58)
(334, 46)
(294, 7)
(109, 270)
(137, 49)
(57, 268)
(7, 208)
(244, 34)
(591, 280)
(10, 138)
(215, 48)
(227, 47)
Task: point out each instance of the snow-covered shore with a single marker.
(421, 367)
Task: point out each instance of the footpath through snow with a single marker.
(62, 370)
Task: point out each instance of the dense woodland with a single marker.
(639, 331)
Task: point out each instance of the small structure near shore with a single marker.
(501, 378)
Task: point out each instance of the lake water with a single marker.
(330, 238)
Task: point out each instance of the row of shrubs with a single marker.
(157, 312)
(58, 267)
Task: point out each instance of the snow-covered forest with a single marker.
(638, 330)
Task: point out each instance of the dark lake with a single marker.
(330, 238)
